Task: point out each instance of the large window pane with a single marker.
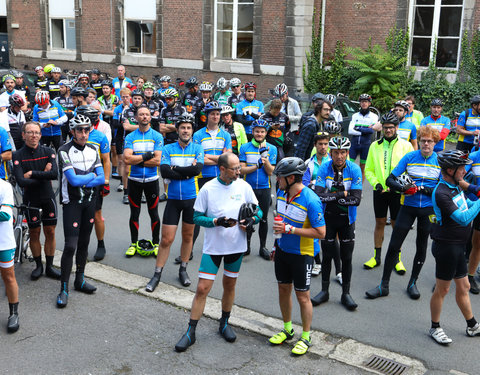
(447, 50)
(245, 18)
(423, 21)
(57, 38)
(421, 51)
(244, 45)
(224, 44)
(224, 17)
(149, 37)
(452, 2)
(70, 34)
(450, 20)
(133, 37)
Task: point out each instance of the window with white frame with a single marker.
(139, 26)
(62, 24)
(233, 29)
(436, 32)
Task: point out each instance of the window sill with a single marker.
(62, 54)
(236, 66)
(139, 59)
(451, 73)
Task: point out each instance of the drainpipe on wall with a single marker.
(324, 6)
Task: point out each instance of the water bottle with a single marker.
(277, 235)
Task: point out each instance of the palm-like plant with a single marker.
(382, 74)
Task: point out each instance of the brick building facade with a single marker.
(182, 38)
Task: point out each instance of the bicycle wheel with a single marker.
(18, 244)
(25, 243)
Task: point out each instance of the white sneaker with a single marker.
(440, 336)
(120, 188)
(317, 268)
(474, 331)
(339, 278)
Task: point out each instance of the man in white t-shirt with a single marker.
(217, 209)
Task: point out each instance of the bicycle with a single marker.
(22, 234)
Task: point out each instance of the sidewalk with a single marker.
(123, 330)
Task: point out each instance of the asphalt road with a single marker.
(395, 323)
(118, 332)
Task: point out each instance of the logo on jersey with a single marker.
(92, 220)
(16, 162)
(75, 224)
(53, 156)
(34, 218)
(51, 214)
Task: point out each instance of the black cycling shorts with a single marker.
(48, 215)
(476, 223)
(175, 208)
(382, 202)
(55, 140)
(450, 261)
(293, 268)
(99, 199)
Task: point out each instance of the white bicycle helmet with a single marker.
(280, 89)
(206, 86)
(339, 143)
(235, 82)
(405, 180)
(332, 127)
(222, 83)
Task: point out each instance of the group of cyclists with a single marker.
(216, 149)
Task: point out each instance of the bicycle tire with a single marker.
(18, 237)
(25, 243)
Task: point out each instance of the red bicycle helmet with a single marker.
(16, 100)
(42, 97)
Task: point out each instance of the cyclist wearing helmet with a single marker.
(237, 94)
(301, 226)
(249, 109)
(223, 94)
(422, 169)
(206, 93)
(258, 159)
(217, 208)
(339, 186)
(332, 98)
(143, 152)
(321, 155)
(406, 129)
(310, 127)
(414, 116)
(290, 106)
(169, 115)
(66, 101)
(9, 85)
(450, 231)
(51, 116)
(361, 131)
(439, 122)
(53, 87)
(181, 162)
(315, 100)
(215, 142)
(192, 97)
(16, 119)
(40, 82)
(35, 166)
(7, 253)
(383, 157)
(153, 105)
(20, 85)
(121, 81)
(164, 85)
(79, 97)
(117, 120)
(83, 81)
(82, 172)
(279, 126)
(468, 125)
(235, 129)
(96, 82)
(48, 70)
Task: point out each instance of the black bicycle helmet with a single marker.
(95, 71)
(332, 127)
(389, 118)
(318, 96)
(79, 91)
(290, 166)
(248, 210)
(185, 118)
(88, 111)
(107, 82)
(138, 92)
(365, 97)
(475, 99)
(437, 101)
(453, 159)
(191, 82)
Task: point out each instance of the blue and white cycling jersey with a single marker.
(212, 145)
(470, 122)
(53, 112)
(407, 130)
(4, 146)
(255, 106)
(352, 180)
(100, 141)
(174, 154)
(141, 143)
(249, 154)
(439, 124)
(423, 171)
